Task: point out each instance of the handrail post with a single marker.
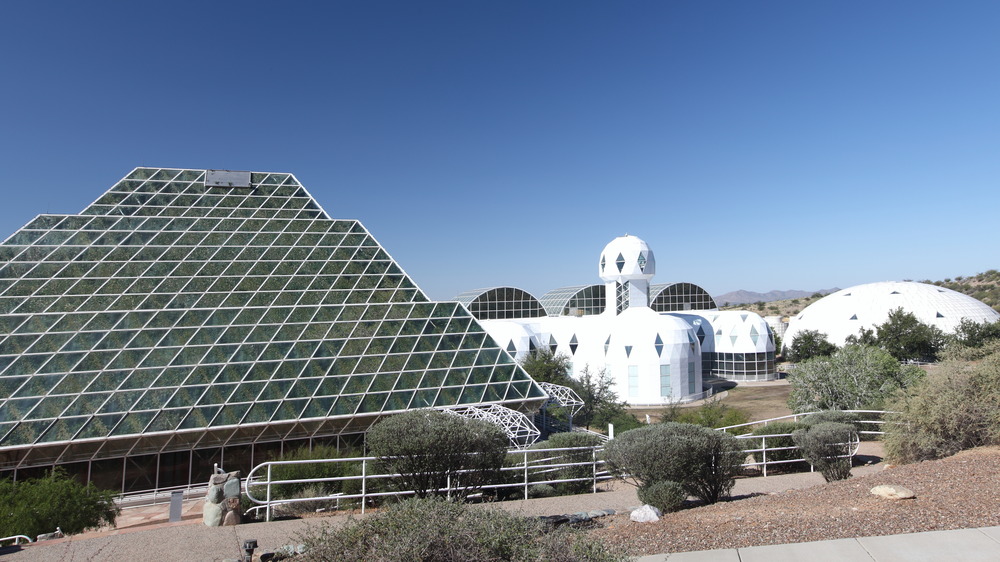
(593, 458)
(763, 452)
(267, 510)
(364, 481)
(525, 474)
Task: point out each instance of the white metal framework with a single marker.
(516, 425)
(562, 396)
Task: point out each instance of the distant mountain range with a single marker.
(749, 297)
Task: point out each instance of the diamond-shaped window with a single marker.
(659, 345)
(642, 262)
(620, 262)
(573, 344)
(603, 262)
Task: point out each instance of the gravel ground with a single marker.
(953, 493)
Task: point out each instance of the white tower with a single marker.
(626, 266)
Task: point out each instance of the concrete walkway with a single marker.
(966, 545)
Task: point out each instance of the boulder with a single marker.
(215, 494)
(231, 489)
(212, 514)
(645, 514)
(893, 492)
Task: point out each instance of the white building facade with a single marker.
(653, 357)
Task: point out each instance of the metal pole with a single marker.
(593, 458)
(525, 473)
(763, 453)
(364, 473)
(267, 510)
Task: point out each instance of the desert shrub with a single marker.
(429, 449)
(566, 440)
(856, 377)
(705, 462)
(778, 428)
(37, 506)
(960, 352)
(311, 471)
(542, 491)
(827, 447)
(956, 407)
(434, 529)
(665, 496)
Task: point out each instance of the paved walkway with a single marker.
(966, 545)
(144, 533)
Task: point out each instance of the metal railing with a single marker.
(535, 467)
(16, 539)
(763, 450)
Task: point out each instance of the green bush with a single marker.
(434, 529)
(702, 460)
(778, 428)
(34, 507)
(665, 496)
(312, 471)
(567, 440)
(430, 449)
(827, 446)
(856, 377)
(542, 491)
(956, 407)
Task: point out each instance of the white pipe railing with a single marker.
(16, 539)
(530, 472)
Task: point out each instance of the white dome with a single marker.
(626, 258)
(845, 312)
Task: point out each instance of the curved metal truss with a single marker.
(516, 425)
(563, 396)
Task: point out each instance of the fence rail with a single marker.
(534, 467)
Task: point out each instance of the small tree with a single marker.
(600, 401)
(705, 462)
(827, 446)
(37, 506)
(976, 334)
(713, 413)
(907, 338)
(545, 366)
(430, 449)
(854, 378)
(808, 344)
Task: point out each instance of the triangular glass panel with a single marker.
(620, 262)
(754, 334)
(573, 344)
(938, 315)
(853, 317)
(642, 262)
(628, 351)
(607, 345)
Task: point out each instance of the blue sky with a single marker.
(753, 144)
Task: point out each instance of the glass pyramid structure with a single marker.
(190, 310)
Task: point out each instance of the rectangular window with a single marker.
(691, 378)
(665, 381)
(633, 380)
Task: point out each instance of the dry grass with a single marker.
(759, 401)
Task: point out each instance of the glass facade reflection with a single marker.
(171, 320)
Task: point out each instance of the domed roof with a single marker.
(625, 258)
(845, 312)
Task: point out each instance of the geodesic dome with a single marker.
(845, 312)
